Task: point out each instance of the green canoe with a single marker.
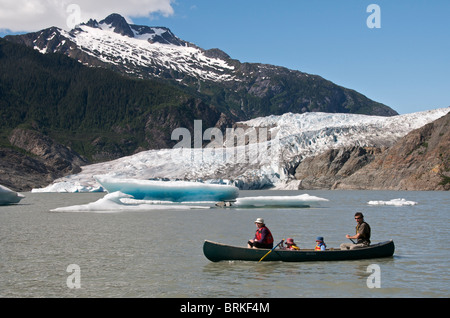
(216, 252)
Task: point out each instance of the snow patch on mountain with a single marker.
(258, 163)
(103, 42)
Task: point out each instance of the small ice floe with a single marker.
(394, 202)
(8, 196)
(303, 200)
(119, 202)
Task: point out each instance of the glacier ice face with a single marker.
(62, 187)
(7, 196)
(173, 191)
(293, 138)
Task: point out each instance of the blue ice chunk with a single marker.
(174, 191)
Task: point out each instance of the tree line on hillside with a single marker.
(57, 95)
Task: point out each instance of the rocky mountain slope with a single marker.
(328, 169)
(35, 160)
(98, 113)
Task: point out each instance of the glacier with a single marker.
(7, 196)
(257, 164)
(69, 187)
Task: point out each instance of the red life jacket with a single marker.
(268, 239)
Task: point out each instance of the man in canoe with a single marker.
(263, 238)
(362, 234)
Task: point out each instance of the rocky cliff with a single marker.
(327, 169)
(35, 160)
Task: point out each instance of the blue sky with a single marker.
(405, 64)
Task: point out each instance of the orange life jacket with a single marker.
(319, 246)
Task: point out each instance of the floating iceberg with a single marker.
(395, 202)
(303, 200)
(120, 202)
(173, 191)
(7, 196)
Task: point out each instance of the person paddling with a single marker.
(263, 237)
(362, 234)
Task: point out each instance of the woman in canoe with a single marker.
(263, 238)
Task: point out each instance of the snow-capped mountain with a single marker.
(259, 162)
(240, 90)
(137, 49)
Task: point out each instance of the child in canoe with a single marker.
(320, 244)
(290, 245)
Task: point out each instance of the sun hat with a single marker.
(319, 238)
(259, 220)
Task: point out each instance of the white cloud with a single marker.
(34, 15)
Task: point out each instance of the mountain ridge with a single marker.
(244, 90)
(121, 26)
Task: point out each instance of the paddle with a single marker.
(271, 250)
